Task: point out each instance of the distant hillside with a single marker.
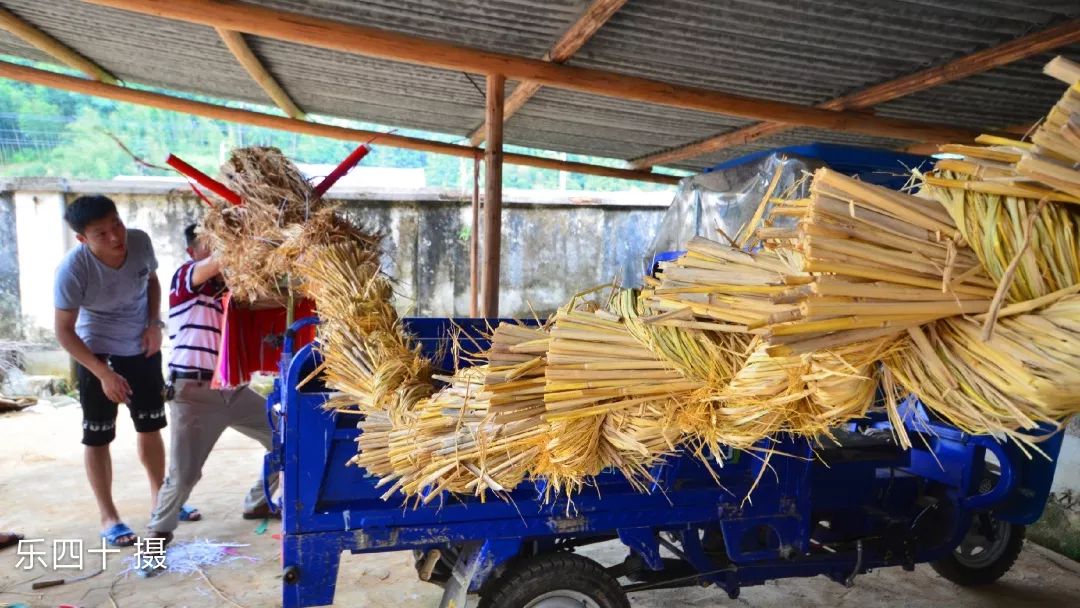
(47, 132)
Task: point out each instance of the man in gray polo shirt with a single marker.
(108, 303)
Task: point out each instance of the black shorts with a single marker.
(147, 403)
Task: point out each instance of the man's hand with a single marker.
(151, 340)
(114, 385)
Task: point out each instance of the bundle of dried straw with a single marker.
(283, 234)
(279, 223)
(965, 295)
(726, 347)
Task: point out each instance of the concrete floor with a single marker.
(43, 493)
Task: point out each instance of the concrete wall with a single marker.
(42, 241)
(554, 243)
(10, 306)
(549, 252)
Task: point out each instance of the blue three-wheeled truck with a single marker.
(957, 501)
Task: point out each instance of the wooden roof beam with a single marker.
(373, 42)
(924, 149)
(595, 16)
(244, 55)
(52, 47)
(968, 65)
(271, 121)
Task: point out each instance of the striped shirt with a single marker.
(195, 319)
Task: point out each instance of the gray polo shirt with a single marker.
(112, 305)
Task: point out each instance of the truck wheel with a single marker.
(555, 580)
(985, 555)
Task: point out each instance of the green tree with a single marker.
(47, 132)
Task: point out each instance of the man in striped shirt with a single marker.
(199, 413)
(195, 314)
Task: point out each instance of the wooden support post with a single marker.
(474, 243)
(493, 158)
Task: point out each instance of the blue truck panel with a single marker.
(330, 508)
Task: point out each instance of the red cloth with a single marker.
(244, 345)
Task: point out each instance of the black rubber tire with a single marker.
(954, 570)
(531, 578)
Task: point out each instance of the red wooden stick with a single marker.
(346, 165)
(203, 179)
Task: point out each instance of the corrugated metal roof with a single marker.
(792, 138)
(1010, 96)
(603, 126)
(811, 51)
(997, 98)
(136, 48)
(518, 27)
(378, 91)
(798, 51)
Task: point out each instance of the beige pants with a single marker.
(198, 415)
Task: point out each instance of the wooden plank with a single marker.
(924, 149)
(586, 26)
(521, 94)
(176, 104)
(493, 159)
(52, 47)
(968, 65)
(14, 404)
(258, 72)
(586, 168)
(595, 16)
(373, 42)
(730, 139)
(976, 63)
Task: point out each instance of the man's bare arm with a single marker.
(153, 295)
(73, 344)
(203, 271)
(151, 340)
(114, 385)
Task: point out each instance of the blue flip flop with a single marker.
(118, 531)
(189, 514)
